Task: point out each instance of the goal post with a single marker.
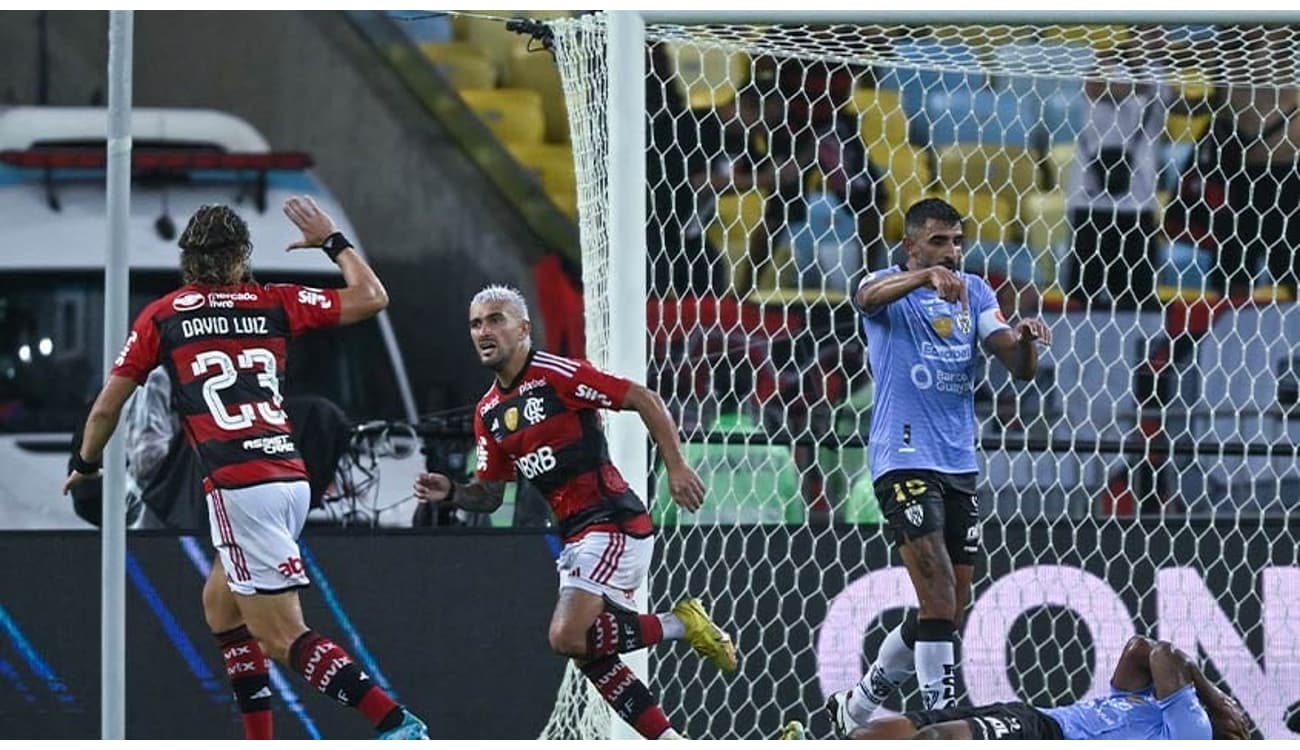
(1149, 471)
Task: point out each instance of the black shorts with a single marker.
(996, 721)
(917, 502)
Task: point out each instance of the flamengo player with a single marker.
(539, 419)
(222, 339)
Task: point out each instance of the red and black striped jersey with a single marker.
(545, 427)
(224, 349)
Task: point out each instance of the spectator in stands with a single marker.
(731, 147)
(823, 195)
(832, 209)
(1263, 188)
(1112, 196)
(1240, 197)
(682, 261)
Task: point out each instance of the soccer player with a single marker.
(1157, 693)
(539, 420)
(924, 322)
(222, 339)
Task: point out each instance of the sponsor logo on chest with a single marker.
(530, 385)
(532, 412)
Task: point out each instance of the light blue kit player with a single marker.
(1157, 693)
(926, 324)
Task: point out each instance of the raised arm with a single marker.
(1133, 672)
(1172, 670)
(875, 294)
(686, 488)
(364, 296)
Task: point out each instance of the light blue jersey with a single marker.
(922, 353)
(1135, 716)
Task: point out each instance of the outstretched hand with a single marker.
(316, 225)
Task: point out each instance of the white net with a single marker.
(1137, 187)
(579, 711)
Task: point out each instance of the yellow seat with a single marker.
(1003, 171)
(491, 37)
(992, 218)
(1266, 293)
(901, 197)
(461, 64)
(1053, 298)
(775, 274)
(706, 77)
(982, 39)
(1042, 214)
(1169, 293)
(551, 164)
(1057, 166)
(1181, 128)
(566, 201)
(1100, 38)
(513, 115)
(907, 175)
(883, 121)
(537, 71)
(738, 215)
(1193, 84)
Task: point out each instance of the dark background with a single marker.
(456, 621)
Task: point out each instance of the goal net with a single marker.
(1135, 186)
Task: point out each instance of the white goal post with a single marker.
(1157, 392)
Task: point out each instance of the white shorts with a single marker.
(255, 530)
(607, 564)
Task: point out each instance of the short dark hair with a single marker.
(930, 208)
(214, 246)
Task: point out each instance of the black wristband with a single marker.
(335, 244)
(451, 494)
(82, 466)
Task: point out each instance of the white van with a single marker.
(53, 240)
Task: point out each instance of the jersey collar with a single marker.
(518, 377)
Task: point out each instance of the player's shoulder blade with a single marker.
(212, 299)
(180, 300)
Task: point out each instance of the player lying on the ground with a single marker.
(1157, 693)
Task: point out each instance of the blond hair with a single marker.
(508, 295)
